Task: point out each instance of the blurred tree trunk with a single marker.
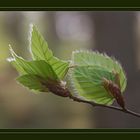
(115, 35)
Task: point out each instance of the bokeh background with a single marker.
(116, 33)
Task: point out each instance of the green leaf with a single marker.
(40, 67)
(40, 51)
(14, 62)
(16, 66)
(86, 58)
(32, 82)
(39, 46)
(88, 72)
(87, 83)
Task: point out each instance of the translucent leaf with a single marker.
(87, 83)
(14, 62)
(32, 82)
(40, 67)
(86, 58)
(88, 72)
(17, 67)
(40, 51)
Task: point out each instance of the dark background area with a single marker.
(116, 33)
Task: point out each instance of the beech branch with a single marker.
(105, 106)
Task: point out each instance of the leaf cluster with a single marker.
(93, 76)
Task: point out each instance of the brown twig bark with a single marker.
(105, 106)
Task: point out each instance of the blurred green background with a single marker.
(116, 33)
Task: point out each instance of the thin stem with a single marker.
(105, 106)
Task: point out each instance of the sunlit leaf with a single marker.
(86, 58)
(87, 82)
(17, 66)
(32, 82)
(87, 75)
(39, 67)
(40, 51)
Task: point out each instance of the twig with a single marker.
(105, 106)
(59, 90)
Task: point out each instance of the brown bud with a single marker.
(115, 91)
(56, 87)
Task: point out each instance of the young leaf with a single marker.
(88, 74)
(40, 67)
(32, 82)
(14, 62)
(17, 66)
(86, 58)
(40, 51)
(87, 82)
